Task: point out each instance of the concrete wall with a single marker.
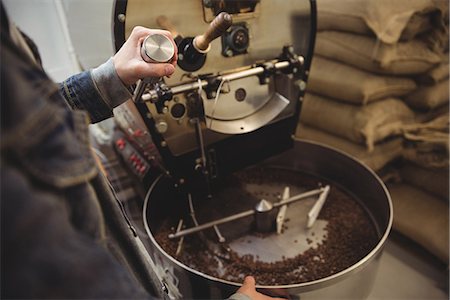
(71, 34)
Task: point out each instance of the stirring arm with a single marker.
(282, 212)
(243, 214)
(315, 210)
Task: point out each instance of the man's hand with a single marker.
(128, 61)
(249, 289)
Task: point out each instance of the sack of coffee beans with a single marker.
(426, 156)
(403, 58)
(429, 97)
(437, 74)
(349, 84)
(421, 217)
(434, 181)
(388, 20)
(427, 144)
(382, 154)
(366, 124)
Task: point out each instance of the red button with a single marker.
(120, 143)
(138, 132)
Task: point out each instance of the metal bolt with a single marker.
(181, 180)
(121, 18)
(302, 85)
(163, 144)
(165, 110)
(162, 126)
(207, 3)
(301, 59)
(229, 53)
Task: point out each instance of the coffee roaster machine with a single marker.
(234, 101)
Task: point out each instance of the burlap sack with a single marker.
(435, 75)
(427, 144)
(422, 218)
(433, 181)
(417, 24)
(404, 58)
(427, 116)
(361, 124)
(349, 84)
(434, 131)
(389, 20)
(345, 22)
(426, 156)
(429, 97)
(382, 154)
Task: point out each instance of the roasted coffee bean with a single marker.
(350, 233)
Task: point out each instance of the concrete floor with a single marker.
(407, 271)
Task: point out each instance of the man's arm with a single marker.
(101, 89)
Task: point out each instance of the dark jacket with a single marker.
(54, 241)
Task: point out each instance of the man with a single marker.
(54, 242)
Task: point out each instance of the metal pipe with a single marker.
(152, 96)
(211, 224)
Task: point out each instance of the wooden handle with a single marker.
(166, 24)
(218, 26)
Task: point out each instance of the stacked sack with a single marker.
(378, 83)
(421, 198)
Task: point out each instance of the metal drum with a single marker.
(355, 282)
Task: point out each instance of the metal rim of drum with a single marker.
(306, 286)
